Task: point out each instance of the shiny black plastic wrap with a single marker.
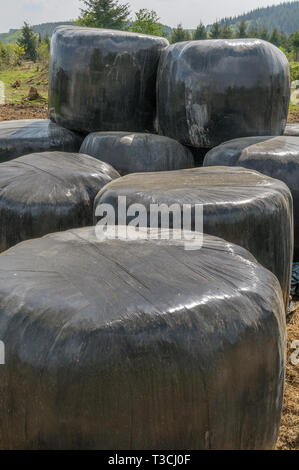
(137, 152)
(277, 157)
(216, 90)
(239, 205)
(123, 344)
(22, 137)
(103, 80)
(48, 192)
(292, 129)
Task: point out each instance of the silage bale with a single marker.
(137, 152)
(26, 136)
(47, 192)
(103, 79)
(292, 129)
(239, 205)
(277, 157)
(139, 344)
(215, 90)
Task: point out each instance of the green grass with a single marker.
(294, 108)
(29, 74)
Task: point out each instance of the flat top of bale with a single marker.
(30, 128)
(103, 32)
(23, 122)
(40, 173)
(92, 283)
(130, 137)
(292, 129)
(211, 46)
(280, 146)
(214, 184)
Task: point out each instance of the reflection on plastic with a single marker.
(295, 93)
(2, 353)
(2, 93)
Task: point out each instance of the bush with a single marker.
(294, 66)
(11, 54)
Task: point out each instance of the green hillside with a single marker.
(44, 30)
(284, 17)
(9, 38)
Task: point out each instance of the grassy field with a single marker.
(28, 74)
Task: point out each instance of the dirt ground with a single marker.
(294, 115)
(289, 430)
(22, 111)
(32, 111)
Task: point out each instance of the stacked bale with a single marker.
(103, 80)
(142, 343)
(47, 192)
(277, 157)
(137, 152)
(120, 344)
(19, 138)
(216, 90)
(239, 205)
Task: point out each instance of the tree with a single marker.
(294, 38)
(3, 54)
(227, 32)
(242, 30)
(253, 32)
(284, 41)
(274, 38)
(147, 22)
(43, 50)
(28, 40)
(179, 34)
(104, 14)
(47, 41)
(200, 32)
(215, 32)
(264, 34)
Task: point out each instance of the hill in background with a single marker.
(284, 17)
(45, 29)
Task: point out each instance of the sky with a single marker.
(13, 13)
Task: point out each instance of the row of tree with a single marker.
(114, 15)
(288, 43)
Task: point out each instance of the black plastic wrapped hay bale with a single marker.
(47, 192)
(19, 138)
(103, 80)
(277, 157)
(292, 129)
(239, 205)
(216, 90)
(137, 152)
(124, 344)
